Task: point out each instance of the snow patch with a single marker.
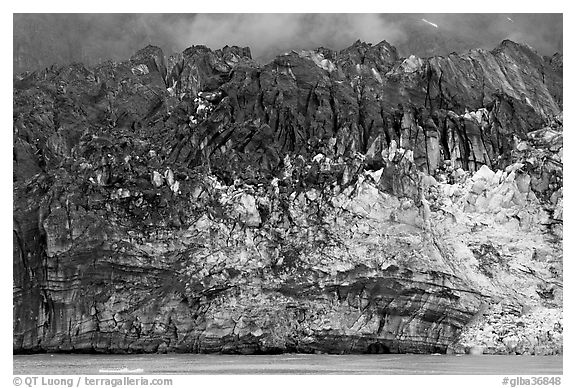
(141, 69)
(432, 24)
(411, 64)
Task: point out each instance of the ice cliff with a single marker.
(341, 202)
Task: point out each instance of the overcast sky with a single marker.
(42, 39)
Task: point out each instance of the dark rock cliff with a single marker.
(350, 201)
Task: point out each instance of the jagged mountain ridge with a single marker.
(208, 203)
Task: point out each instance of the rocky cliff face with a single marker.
(350, 201)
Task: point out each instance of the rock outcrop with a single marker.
(339, 202)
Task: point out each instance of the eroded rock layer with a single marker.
(342, 202)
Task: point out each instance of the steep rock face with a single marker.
(339, 202)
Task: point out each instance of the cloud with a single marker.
(48, 38)
(543, 32)
(43, 39)
(269, 34)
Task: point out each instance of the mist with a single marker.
(43, 39)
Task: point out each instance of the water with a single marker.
(408, 364)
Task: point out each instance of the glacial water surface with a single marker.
(408, 364)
